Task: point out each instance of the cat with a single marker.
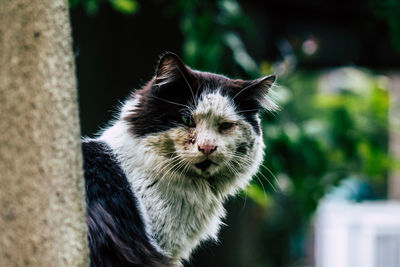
(157, 177)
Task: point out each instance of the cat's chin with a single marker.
(204, 169)
(205, 165)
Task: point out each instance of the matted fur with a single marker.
(179, 187)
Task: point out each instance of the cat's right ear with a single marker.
(170, 69)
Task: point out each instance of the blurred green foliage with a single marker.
(329, 128)
(333, 124)
(128, 7)
(210, 32)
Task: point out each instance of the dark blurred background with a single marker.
(336, 62)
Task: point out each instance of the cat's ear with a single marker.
(258, 92)
(170, 69)
(260, 87)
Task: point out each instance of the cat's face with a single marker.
(214, 137)
(203, 125)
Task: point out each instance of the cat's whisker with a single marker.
(250, 161)
(272, 174)
(164, 169)
(262, 185)
(199, 89)
(171, 102)
(176, 171)
(247, 110)
(247, 87)
(186, 169)
(228, 165)
(171, 167)
(232, 168)
(173, 157)
(190, 87)
(270, 183)
(176, 151)
(245, 201)
(170, 164)
(236, 172)
(177, 167)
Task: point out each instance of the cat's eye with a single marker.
(226, 126)
(188, 121)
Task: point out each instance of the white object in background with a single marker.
(363, 234)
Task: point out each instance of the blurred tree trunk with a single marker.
(42, 208)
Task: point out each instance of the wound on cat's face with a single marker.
(203, 124)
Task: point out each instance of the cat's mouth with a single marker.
(204, 165)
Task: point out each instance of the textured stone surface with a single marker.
(42, 212)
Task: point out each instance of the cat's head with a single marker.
(203, 125)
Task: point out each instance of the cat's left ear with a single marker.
(170, 69)
(258, 92)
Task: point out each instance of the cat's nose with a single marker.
(207, 149)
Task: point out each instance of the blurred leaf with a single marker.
(240, 55)
(125, 6)
(259, 196)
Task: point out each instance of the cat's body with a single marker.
(183, 143)
(118, 234)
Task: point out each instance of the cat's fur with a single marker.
(161, 176)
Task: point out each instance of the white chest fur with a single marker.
(181, 216)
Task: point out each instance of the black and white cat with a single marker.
(156, 179)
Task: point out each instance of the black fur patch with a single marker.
(117, 235)
(175, 87)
